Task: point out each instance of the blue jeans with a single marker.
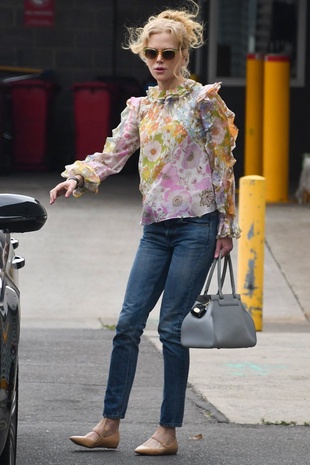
(173, 258)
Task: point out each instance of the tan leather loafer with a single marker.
(109, 442)
(154, 447)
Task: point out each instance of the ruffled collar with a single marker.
(156, 94)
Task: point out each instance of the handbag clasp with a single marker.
(199, 309)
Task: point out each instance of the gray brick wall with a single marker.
(85, 42)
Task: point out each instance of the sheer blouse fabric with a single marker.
(186, 137)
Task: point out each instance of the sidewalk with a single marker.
(271, 382)
(78, 264)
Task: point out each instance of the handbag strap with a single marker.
(220, 281)
(216, 261)
(221, 275)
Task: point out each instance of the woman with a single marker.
(186, 135)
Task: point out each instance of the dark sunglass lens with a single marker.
(168, 54)
(150, 53)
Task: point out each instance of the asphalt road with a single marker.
(62, 380)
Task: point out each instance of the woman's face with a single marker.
(166, 72)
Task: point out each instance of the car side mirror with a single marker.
(20, 213)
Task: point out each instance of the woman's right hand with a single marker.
(65, 188)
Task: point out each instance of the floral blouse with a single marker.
(186, 136)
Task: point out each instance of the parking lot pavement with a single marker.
(71, 292)
(62, 379)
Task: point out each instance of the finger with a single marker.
(69, 191)
(217, 250)
(224, 252)
(52, 196)
(56, 192)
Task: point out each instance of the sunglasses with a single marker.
(167, 54)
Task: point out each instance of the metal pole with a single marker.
(253, 163)
(276, 127)
(114, 37)
(199, 52)
(252, 207)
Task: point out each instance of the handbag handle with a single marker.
(220, 282)
(221, 275)
(210, 274)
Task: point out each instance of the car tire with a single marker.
(8, 456)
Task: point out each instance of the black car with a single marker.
(18, 213)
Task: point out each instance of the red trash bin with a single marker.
(92, 117)
(2, 123)
(31, 107)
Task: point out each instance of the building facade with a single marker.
(84, 43)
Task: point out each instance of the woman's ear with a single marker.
(141, 55)
(185, 57)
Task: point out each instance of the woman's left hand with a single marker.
(223, 245)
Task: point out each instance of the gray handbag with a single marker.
(218, 321)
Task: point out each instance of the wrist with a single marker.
(78, 179)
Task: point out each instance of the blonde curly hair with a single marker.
(182, 24)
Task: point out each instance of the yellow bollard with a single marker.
(250, 275)
(253, 153)
(276, 127)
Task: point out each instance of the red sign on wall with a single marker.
(39, 13)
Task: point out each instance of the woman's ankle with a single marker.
(165, 434)
(107, 425)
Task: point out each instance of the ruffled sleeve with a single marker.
(221, 134)
(117, 149)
